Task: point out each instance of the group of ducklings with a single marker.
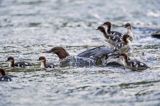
(99, 56)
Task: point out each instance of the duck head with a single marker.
(126, 39)
(42, 59)
(128, 26)
(2, 72)
(59, 51)
(107, 26)
(10, 60)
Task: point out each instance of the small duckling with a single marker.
(3, 76)
(12, 63)
(44, 64)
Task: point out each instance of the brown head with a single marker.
(11, 60)
(59, 51)
(42, 58)
(126, 38)
(128, 26)
(102, 29)
(2, 72)
(108, 26)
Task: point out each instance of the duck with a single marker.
(12, 63)
(3, 76)
(67, 60)
(44, 64)
(107, 25)
(129, 30)
(113, 38)
(122, 45)
(133, 64)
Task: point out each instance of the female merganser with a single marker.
(67, 60)
(96, 52)
(134, 65)
(12, 63)
(44, 64)
(3, 76)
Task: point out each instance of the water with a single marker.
(28, 27)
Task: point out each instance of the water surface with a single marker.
(27, 27)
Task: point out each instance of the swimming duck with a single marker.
(44, 64)
(12, 63)
(96, 52)
(3, 76)
(134, 65)
(67, 60)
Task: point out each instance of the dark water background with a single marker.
(27, 27)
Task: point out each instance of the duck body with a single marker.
(136, 65)
(22, 64)
(96, 52)
(133, 64)
(76, 61)
(5, 78)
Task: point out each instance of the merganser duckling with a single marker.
(114, 37)
(12, 63)
(134, 65)
(44, 64)
(3, 76)
(118, 43)
(107, 26)
(129, 30)
(124, 46)
(67, 60)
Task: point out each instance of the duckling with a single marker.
(134, 65)
(44, 64)
(3, 76)
(12, 63)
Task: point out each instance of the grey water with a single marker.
(28, 27)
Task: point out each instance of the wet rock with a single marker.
(156, 35)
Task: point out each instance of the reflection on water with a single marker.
(27, 27)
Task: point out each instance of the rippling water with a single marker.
(27, 27)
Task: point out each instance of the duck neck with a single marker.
(129, 32)
(43, 64)
(62, 54)
(11, 63)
